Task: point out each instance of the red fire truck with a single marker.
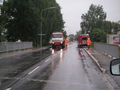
(82, 40)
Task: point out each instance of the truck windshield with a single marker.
(84, 38)
(56, 35)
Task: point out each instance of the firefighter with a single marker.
(89, 43)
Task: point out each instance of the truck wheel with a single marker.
(53, 46)
(80, 46)
(63, 46)
(60, 47)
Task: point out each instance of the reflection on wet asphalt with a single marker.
(64, 70)
(11, 68)
(37, 81)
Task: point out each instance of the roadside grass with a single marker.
(92, 46)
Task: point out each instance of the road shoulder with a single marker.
(103, 63)
(20, 52)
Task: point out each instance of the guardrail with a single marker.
(112, 50)
(12, 46)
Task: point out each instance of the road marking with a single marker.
(33, 70)
(47, 60)
(8, 88)
(114, 58)
(110, 56)
(105, 54)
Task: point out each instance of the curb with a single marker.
(96, 61)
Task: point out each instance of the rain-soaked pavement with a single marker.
(63, 70)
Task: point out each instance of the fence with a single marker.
(113, 50)
(12, 46)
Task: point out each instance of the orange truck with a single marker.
(82, 40)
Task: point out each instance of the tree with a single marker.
(94, 22)
(2, 26)
(98, 35)
(22, 19)
(72, 37)
(93, 18)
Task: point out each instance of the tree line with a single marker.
(22, 19)
(94, 22)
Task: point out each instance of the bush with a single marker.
(98, 35)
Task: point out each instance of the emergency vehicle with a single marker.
(57, 40)
(82, 40)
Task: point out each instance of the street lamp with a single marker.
(41, 23)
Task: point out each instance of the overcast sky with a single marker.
(1, 1)
(73, 9)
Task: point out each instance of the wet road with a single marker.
(63, 70)
(12, 68)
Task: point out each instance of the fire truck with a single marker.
(82, 40)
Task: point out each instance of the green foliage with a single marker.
(98, 35)
(72, 37)
(22, 19)
(93, 18)
(65, 34)
(2, 28)
(110, 27)
(96, 18)
(78, 33)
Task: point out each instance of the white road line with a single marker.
(33, 70)
(110, 56)
(114, 58)
(47, 60)
(8, 88)
(105, 53)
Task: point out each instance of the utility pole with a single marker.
(41, 15)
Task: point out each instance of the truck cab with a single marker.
(82, 40)
(57, 40)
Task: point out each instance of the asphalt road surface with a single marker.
(68, 69)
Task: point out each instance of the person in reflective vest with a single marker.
(66, 43)
(89, 43)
